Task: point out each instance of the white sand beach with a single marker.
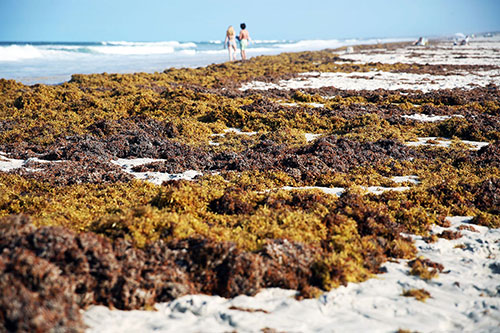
(463, 298)
(481, 51)
(382, 80)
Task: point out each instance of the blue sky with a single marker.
(184, 20)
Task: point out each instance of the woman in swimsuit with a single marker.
(230, 43)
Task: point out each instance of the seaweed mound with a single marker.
(36, 295)
(52, 272)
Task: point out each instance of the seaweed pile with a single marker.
(76, 229)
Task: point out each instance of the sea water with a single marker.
(55, 62)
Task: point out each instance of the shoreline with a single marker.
(355, 44)
(158, 62)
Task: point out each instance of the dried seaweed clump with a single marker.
(425, 268)
(36, 296)
(420, 294)
(84, 269)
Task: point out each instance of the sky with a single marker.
(202, 20)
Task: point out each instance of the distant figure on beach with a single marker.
(230, 43)
(244, 38)
(465, 41)
(461, 39)
(421, 42)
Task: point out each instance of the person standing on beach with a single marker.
(244, 38)
(230, 43)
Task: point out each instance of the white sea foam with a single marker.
(67, 51)
(187, 52)
(271, 41)
(19, 52)
(215, 52)
(174, 44)
(142, 48)
(56, 62)
(321, 44)
(133, 50)
(313, 44)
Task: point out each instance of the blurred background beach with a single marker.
(47, 41)
(54, 62)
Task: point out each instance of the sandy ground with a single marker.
(480, 51)
(381, 80)
(463, 298)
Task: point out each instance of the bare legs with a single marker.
(232, 53)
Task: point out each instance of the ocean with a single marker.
(55, 62)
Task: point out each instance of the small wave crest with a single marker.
(132, 50)
(52, 62)
(142, 48)
(174, 44)
(270, 41)
(19, 52)
(312, 44)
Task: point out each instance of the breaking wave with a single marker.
(54, 62)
